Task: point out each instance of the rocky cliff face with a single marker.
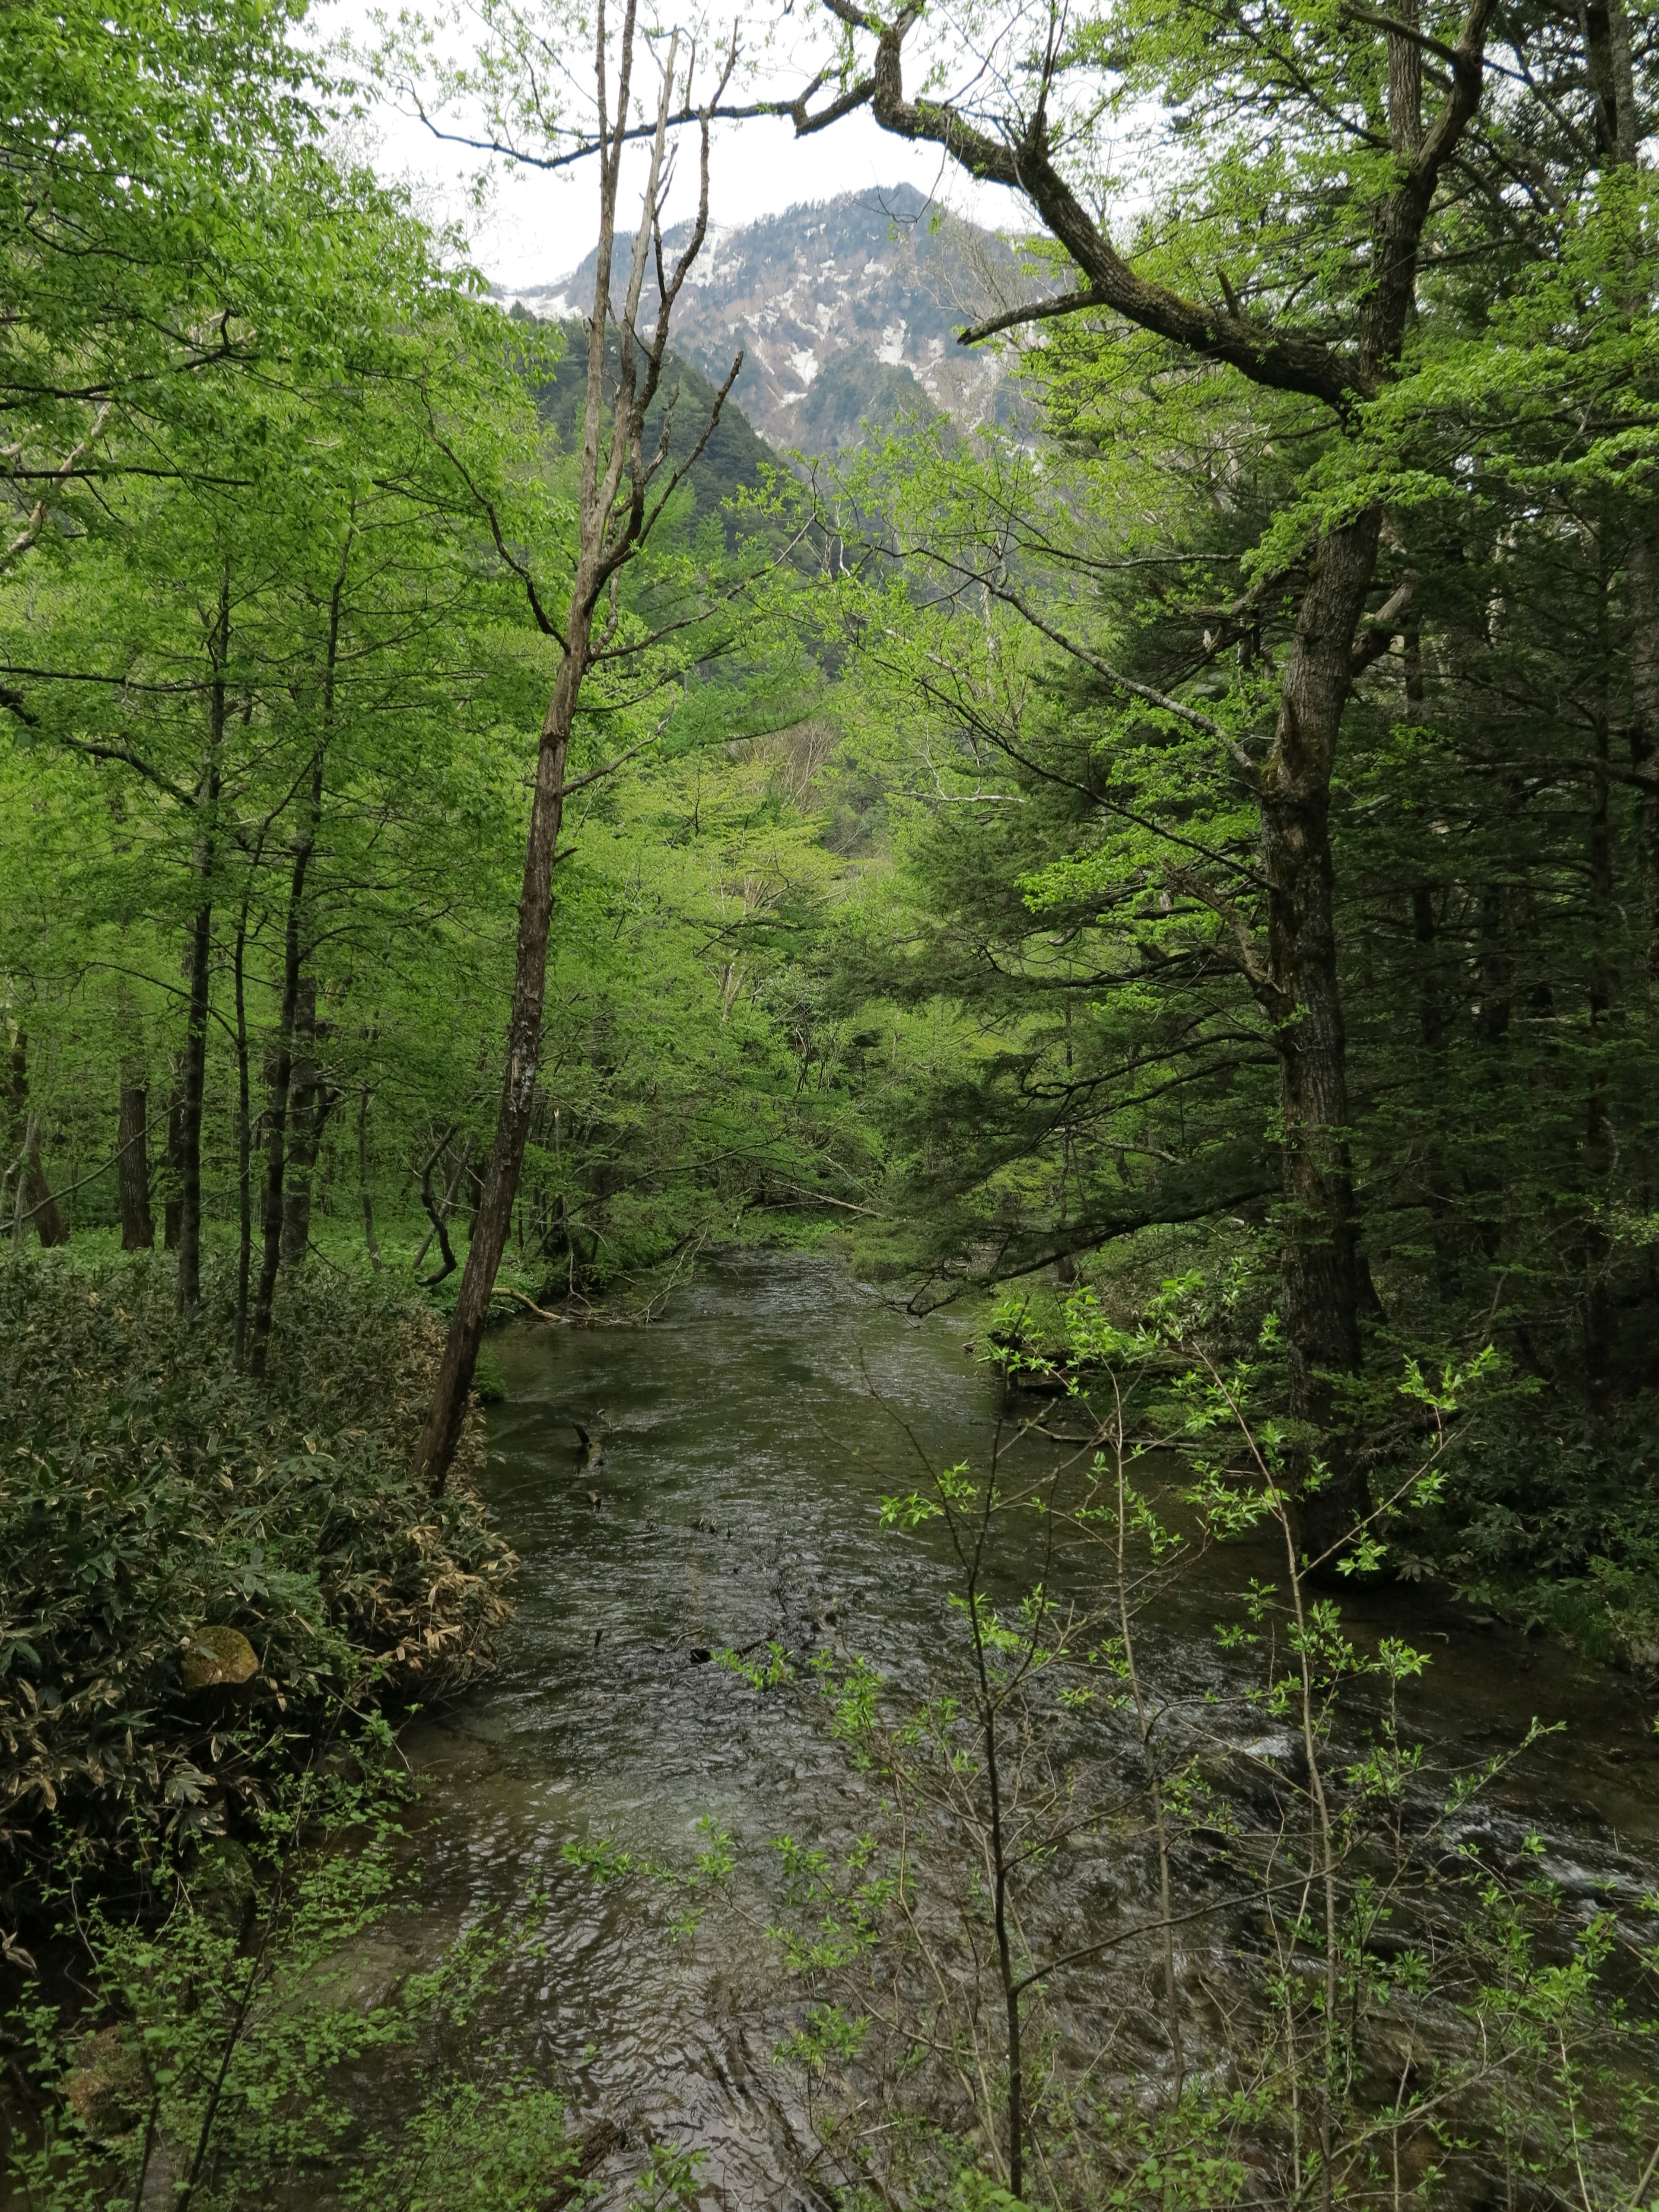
(847, 314)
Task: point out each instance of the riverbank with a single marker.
(206, 1576)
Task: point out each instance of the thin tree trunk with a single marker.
(305, 1118)
(132, 1126)
(1598, 1313)
(1642, 575)
(609, 532)
(172, 1203)
(192, 1095)
(243, 1145)
(282, 1074)
(193, 1089)
(369, 1237)
(132, 1163)
(1433, 1027)
(436, 1449)
(276, 1112)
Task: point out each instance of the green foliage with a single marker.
(213, 2051)
(148, 1491)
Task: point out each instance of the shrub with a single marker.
(150, 1494)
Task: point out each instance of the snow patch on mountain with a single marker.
(846, 312)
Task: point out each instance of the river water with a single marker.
(750, 1435)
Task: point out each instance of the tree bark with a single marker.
(1601, 996)
(369, 1237)
(244, 1143)
(436, 1449)
(172, 1203)
(1320, 1269)
(304, 1119)
(193, 1096)
(132, 1164)
(199, 966)
(271, 1215)
(281, 1077)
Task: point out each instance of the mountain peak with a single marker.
(846, 311)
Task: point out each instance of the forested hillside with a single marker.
(1146, 842)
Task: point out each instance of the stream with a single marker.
(745, 1456)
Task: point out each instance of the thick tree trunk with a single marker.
(305, 1118)
(35, 1204)
(1320, 1268)
(437, 1448)
(132, 1164)
(1642, 575)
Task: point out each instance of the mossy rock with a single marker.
(215, 1654)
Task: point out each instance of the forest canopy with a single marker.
(1205, 815)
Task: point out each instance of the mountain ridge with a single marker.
(846, 311)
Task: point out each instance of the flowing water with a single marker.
(750, 1436)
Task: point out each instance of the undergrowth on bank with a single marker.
(280, 2031)
(156, 1506)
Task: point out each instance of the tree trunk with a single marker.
(610, 531)
(1642, 576)
(281, 1080)
(272, 1217)
(34, 1207)
(243, 1145)
(132, 1164)
(1599, 1143)
(191, 1099)
(1319, 1261)
(437, 1448)
(35, 1202)
(193, 1088)
(369, 1237)
(1433, 1029)
(172, 1205)
(305, 1122)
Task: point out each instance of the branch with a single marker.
(500, 1290)
(1402, 29)
(1064, 303)
(1147, 691)
(31, 530)
(1378, 631)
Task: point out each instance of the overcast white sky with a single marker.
(535, 228)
